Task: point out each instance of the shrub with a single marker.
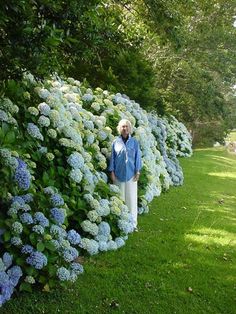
(56, 199)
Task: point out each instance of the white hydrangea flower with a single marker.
(43, 121)
(89, 227)
(34, 111)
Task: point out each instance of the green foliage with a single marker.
(133, 76)
(208, 133)
(143, 181)
(195, 81)
(168, 55)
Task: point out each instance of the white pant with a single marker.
(128, 192)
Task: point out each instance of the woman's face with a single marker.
(125, 130)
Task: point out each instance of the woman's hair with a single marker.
(122, 122)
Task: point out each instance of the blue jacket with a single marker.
(125, 158)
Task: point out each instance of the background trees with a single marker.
(170, 56)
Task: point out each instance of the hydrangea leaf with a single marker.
(20, 261)
(50, 246)
(10, 137)
(45, 178)
(25, 286)
(7, 236)
(40, 247)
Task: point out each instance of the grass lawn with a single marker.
(183, 259)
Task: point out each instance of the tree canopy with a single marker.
(171, 56)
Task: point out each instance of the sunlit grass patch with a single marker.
(212, 236)
(223, 174)
(224, 160)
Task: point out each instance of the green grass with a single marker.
(183, 259)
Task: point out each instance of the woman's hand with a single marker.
(113, 177)
(136, 177)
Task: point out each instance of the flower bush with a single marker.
(9, 277)
(56, 199)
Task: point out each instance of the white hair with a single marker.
(122, 122)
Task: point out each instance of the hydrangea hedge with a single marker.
(56, 200)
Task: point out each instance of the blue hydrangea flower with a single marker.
(103, 247)
(21, 164)
(58, 215)
(104, 229)
(7, 259)
(76, 267)
(6, 292)
(26, 218)
(76, 160)
(103, 176)
(57, 231)
(38, 229)
(70, 254)
(104, 208)
(90, 138)
(37, 259)
(89, 177)
(23, 177)
(18, 199)
(102, 135)
(87, 97)
(125, 226)
(16, 241)
(119, 242)
(43, 93)
(7, 283)
(3, 277)
(2, 266)
(73, 276)
(27, 249)
(27, 198)
(49, 190)
(34, 131)
(63, 274)
(41, 219)
(17, 205)
(14, 274)
(89, 124)
(73, 237)
(44, 109)
(3, 116)
(57, 200)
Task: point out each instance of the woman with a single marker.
(125, 166)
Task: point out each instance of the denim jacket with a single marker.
(125, 158)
